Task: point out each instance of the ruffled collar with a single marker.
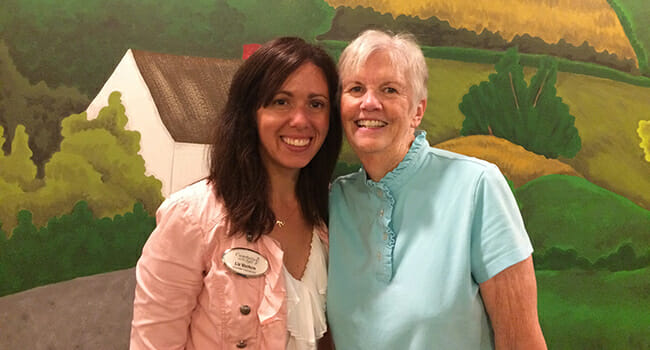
(397, 177)
(306, 322)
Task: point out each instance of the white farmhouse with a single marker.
(172, 102)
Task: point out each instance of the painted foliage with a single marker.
(555, 92)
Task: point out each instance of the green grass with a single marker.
(595, 310)
(570, 212)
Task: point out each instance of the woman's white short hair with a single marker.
(405, 55)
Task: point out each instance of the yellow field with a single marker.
(576, 21)
(515, 162)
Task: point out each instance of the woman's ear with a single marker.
(419, 113)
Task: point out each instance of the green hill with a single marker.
(634, 16)
(569, 212)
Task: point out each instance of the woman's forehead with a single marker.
(375, 74)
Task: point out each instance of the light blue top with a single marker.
(407, 253)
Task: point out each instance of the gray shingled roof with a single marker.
(189, 92)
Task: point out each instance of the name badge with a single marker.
(245, 262)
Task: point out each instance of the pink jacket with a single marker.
(185, 298)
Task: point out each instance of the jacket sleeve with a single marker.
(169, 278)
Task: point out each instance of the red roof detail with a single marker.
(249, 49)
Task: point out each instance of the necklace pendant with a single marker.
(279, 223)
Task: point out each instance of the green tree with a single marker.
(79, 42)
(98, 162)
(18, 167)
(531, 116)
(644, 134)
(11, 194)
(268, 19)
(37, 107)
(17, 175)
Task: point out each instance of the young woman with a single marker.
(239, 260)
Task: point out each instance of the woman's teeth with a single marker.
(295, 142)
(370, 123)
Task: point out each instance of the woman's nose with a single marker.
(370, 101)
(299, 117)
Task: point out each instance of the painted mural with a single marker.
(104, 108)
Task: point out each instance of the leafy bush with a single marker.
(533, 117)
(72, 245)
(623, 259)
(559, 259)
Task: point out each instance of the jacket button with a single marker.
(245, 309)
(241, 344)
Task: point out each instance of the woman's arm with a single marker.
(510, 299)
(169, 277)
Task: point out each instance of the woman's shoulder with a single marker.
(196, 203)
(192, 192)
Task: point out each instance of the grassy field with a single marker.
(575, 21)
(569, 212)
(607, 116)
(595, 310)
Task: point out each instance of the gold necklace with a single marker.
(281, 223)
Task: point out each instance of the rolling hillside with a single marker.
(575, 21)
(569, 212)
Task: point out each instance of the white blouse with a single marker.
(306, 321)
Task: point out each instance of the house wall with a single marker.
(189, 165)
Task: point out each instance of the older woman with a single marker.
(239, 260)
(427, 247)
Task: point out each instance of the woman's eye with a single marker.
(280, 102)
(390, 90)
(355, 89)
(317, 104)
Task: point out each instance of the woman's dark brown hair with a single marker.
(236, 169)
